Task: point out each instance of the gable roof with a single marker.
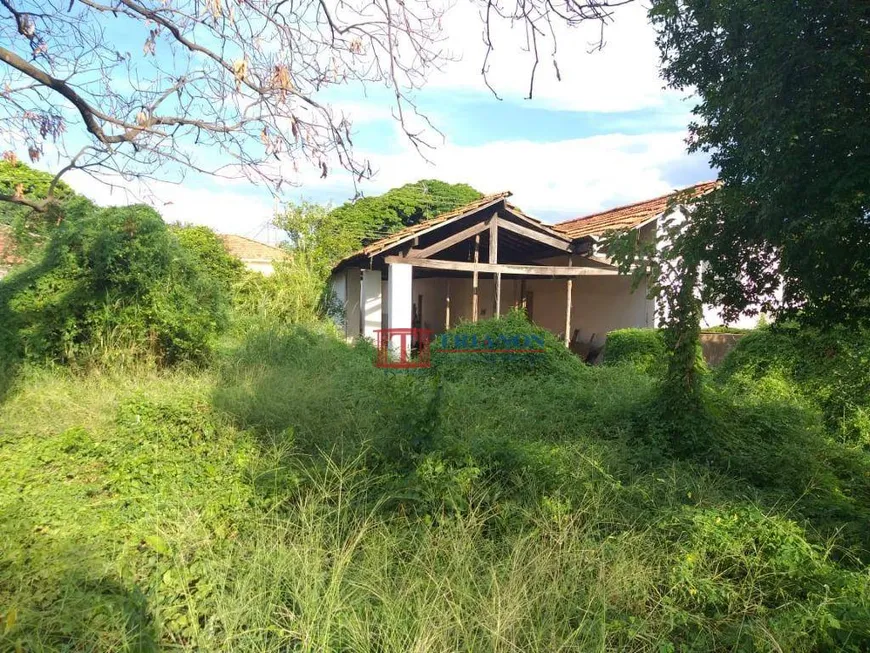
(407, 233)
(247, 249)
(628, 216)
(416, 229)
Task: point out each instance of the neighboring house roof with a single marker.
(251, 250)
(7, 248)
(411, 231)
(628, 216)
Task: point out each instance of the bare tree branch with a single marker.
(227, 88)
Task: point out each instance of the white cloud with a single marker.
(225, 211)
(622, 76)
(568, 177)
(564, 178)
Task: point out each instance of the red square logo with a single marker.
(403, 348)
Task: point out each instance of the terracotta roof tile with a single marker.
(626, 217)
(251, 250)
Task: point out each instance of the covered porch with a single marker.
(479, 262)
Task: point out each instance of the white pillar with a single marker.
(352, 312)
(371, 303)
(401, 297)
(338, 299)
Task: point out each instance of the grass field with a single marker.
(292, 497)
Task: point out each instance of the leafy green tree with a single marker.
(784, 112)
(208, 249)
(326, 235)
(111, 280)
(376, 217)
(30, 227)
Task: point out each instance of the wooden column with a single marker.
(569, 285)
(493, 259)
(447, 308)
(474, 279)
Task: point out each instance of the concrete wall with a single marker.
(262, 266)
(434, 292)
(354, 296)
(715, 346)
(338, 289)
(372, 303)
(599, 303)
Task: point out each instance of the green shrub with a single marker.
(540, 353)
(111, 280)
(299, 498)
(643, 348)
(208, 249)
(831, 368)
(740, 555)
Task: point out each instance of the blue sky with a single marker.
(607, 134)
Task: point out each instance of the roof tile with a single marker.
(626, 217)
(251, 250)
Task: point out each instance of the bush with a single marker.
(110, 280)
(740, 555)
(208, 249)
(643, 348)
(831, 368)
(540, 353)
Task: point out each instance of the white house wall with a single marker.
(338, 289)
(353, 287)
(371, 302)
(599, 303)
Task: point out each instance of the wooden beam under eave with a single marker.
(569, 287)
(503, 268)
(531, 234)
(449, 242)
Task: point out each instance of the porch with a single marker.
(479, 262)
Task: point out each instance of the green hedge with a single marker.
(644, 348)
(830, 367)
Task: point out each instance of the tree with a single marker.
(375, 217)
(784, 112)
(326, 235)
(29, 227)
(110, 281)
(154, 88)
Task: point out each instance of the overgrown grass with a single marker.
(295, 497)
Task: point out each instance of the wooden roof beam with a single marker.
(503, 268)
(450, 241)
(556, 243)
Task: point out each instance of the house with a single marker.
(255, 255)
(488, 256)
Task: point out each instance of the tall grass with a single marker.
(295, 497)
